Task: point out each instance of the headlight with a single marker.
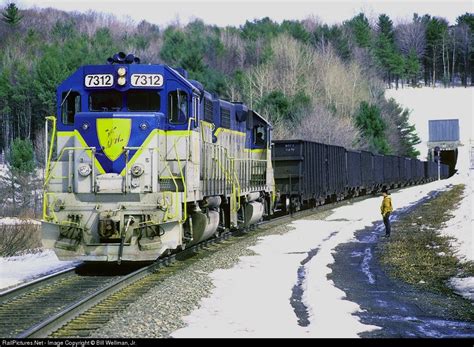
(121, 71)
(121, 81)
(84, 170)
(137, 170)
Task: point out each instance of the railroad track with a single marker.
(25, 306)
(74, 303)
(69, 304)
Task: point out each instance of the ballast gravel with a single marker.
(159, 312)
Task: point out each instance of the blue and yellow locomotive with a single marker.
(142, 161)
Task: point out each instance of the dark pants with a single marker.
(386, 221)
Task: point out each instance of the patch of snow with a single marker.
(463, 286)
(460, 226)
(252, 299)
(366, 267)
(448, 103)
(19, 269)
(442, 103)
(17, 221)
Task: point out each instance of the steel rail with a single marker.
(30, 286)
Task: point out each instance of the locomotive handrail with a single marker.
(59, 157)
(183, 179)
(234, 195)
(50, 154)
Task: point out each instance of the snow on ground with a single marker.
(460, 227)
(19, 269)
(464, 286)
(16, 221)
(449, 103)
(440, 103)
(252, 299)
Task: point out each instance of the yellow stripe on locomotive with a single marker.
(148, 162)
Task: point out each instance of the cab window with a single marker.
(106, 100)
(177, 107)
(71, 104)
(259, 135)
(143, 100)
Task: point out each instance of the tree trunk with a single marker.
(453, 60)
(444, 63)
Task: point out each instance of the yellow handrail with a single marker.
(48, 177)
(183, 179)
(53, 119)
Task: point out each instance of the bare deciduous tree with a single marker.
(321, 126)
(411, 36)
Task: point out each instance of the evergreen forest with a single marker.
(311, 80)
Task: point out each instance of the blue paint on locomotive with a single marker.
(227, 115)
(76, 83)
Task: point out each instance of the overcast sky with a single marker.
(235, 13)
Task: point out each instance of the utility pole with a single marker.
(437, 151)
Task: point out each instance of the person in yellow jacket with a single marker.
(386, 209)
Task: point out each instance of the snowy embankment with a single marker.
(24, 268)
(17, 221)
(451, 103)
(254, 298)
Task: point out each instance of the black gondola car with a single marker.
(391, 170)
(336, 159)
(308, 173)
(353, 170)
(300, 169)
(407, 170)
(387, 170)
(396, 170)
(419, 174)
(378, 170)
(431, 170)
(367, 171)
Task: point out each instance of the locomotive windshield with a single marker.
(143, 100)
(177, 107)
(106, 100)
(70, 106)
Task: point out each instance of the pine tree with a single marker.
(408, 135)
(361, 30)
(11, 15)
(412, 67)
(22, 156)
(370, 122)
(385, 27)
(396, 65)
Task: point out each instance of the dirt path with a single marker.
(401, 310)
